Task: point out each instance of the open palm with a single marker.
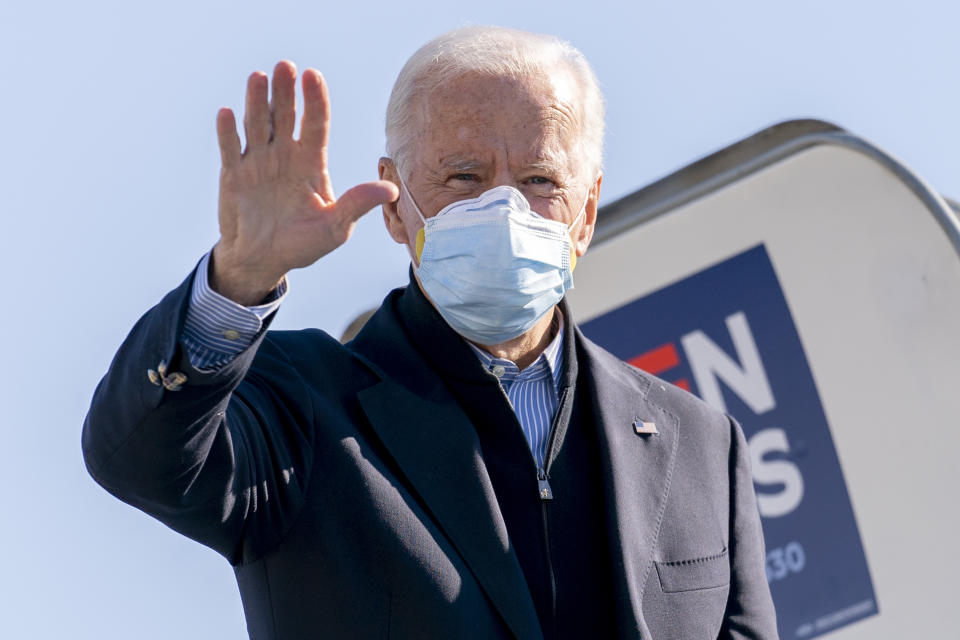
(278, 210)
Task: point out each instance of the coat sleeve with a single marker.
(220, 456)
(750, 612)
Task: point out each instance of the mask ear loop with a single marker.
(576, 221)
(421, 237)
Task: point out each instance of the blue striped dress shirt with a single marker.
(216, 329)
(533, 392)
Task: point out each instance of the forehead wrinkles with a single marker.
(545, 150)
(565, 116)
(558, 122)
(533, 117)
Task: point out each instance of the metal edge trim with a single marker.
(953, 204)
(748, 156)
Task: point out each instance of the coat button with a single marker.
(171, 382)
(174, 381)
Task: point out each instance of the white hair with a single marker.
(497, 51)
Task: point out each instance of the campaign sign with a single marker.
(726, 334)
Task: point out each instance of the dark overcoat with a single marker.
(349, 491)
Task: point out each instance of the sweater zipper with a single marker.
(543, 485)
(546, 494)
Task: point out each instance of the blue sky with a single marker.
(108, 176)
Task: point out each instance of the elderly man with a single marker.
(470, 466)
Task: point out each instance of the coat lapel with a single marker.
(437, 449)
(636, 466)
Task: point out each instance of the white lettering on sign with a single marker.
(785, 472)
(710, 364)
(745, 376)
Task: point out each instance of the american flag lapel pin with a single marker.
(644, 428)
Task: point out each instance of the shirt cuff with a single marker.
(216, 328)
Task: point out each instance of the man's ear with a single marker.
(589, 217)
(391, 210)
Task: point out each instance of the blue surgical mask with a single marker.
(493, 267)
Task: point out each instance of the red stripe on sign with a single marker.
(657, 360)
(683, 383)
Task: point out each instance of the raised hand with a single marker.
(277, 206)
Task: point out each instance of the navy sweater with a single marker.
(561, 543)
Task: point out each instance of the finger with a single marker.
(315, 127)
(227, 138)
(353, 204)
(256, 120)
(283, 103)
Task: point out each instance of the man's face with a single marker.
(478, 132)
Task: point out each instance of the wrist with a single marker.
(247, 286)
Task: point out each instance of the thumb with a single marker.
(354, 203)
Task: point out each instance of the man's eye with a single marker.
(539, 180)
(465, 177)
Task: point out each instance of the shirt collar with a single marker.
(548, 364)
